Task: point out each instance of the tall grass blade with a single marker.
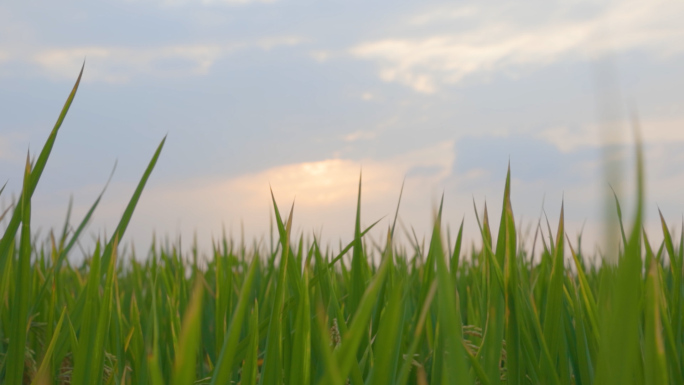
(186, 354)
(22, 293)
(225, 362)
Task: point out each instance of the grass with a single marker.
(299, 315)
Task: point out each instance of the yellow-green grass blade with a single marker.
(655, 363)
(351, 339)
(225, 363)
(492, 343)
(74, 238)
(396, 212)
(619, 214)
(224, 280)
(671, 346)
(405, 370)
(388, 339)
(346, 249)
(7, 283)
(272, 371)
(300, 369)
(675, 298)
(430, 259)
(359, 271)
(88, 322)
(37, 170)
(22, 293)
(250, 367)
(619, 358)
(587, 297)
(514, 305)
(97, 355)
(136, 345)
(438, 374)
(153, 360)
(292, 270)
(327, 290)
(185, 365)
(584, 356)
(332, 372)
(455, 368)
(128, 212)
(118, 233)
(554, 333)
(456, 255)
(44, 370)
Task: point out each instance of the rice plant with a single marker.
(303, 314)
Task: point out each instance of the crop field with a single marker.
(301, 314)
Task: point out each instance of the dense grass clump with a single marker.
(299, 314)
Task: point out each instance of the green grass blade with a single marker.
(346, 354)
(37, 169)
(225, 363)
(455, 369)
(88, 321)
(405, 370)
(359, 273)
(44, 370)
(184, 372)
(250, 367)
(332, 375)
(655, 364)
(22, 293)
(128, 212)
(272, 370)
(300, 370)
(619, 359)
(97, 354)
(387, 342)
(552, 321)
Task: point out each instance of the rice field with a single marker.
(299, 313)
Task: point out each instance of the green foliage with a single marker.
(300, 315)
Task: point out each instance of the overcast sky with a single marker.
(305, 94)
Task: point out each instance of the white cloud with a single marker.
(179, 3)
(367, 96)
(443, 14)
(121, 64)
(360, 135)
(272, 42)
(320, 56)
(514, 38)
(117, 65)
(329, 182)
(653, 131)
(8, 147)
(325, 193)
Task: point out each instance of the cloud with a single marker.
(514, 38)
(652, 131)
(277, 41)
(179, 3)
(8, 146)
(360, 135)
(320, 56)
(443, 14)
(367, 96)
(325, 193)
(331, 181)
(121, 64)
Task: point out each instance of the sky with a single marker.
(305, 97)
